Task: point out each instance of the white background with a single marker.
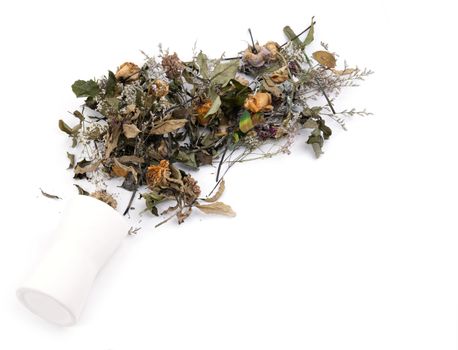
(356, 250)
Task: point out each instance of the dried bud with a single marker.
(158, 88)
(258, 102)
(173, 66)
(157, 175)
(257, 59)
(280, 75)
(105, 197)
(202, 111)
(128, 72)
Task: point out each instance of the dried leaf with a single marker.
(167, 126)
(218, 193)
(130, 130)
(83, 88)
(112, 140)
(71, 158)
(224, 72)
(310, 35)
(122, 170)
(216, 208)
(47, 195)
(216, 103)
(82, 168)
(67, 129)
(326, 59)
(81, 191)
(202, 62)
(292, 36)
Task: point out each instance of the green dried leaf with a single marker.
(67, 129)
(292, 36)
(224, 72)
(71, 158)
(310, 35)
(110, 88)
(79, 115)
(83, 88)
(202, 62)
(151, 200)
(316, 140)
(216, 104)
(188, 159)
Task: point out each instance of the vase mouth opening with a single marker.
(46, 306)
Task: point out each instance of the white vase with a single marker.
(88, 234)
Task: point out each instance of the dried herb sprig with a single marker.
(151, 124)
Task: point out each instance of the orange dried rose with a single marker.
(157, 174)
(127, 72)
(202, 111)
(258, 102)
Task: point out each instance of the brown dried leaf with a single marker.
(216, 208)
(87, 168)
(130, 130)
(167, 126)
(325, 58)
(112, 140)
(218, 193)
(122, 170)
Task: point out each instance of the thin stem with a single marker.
(130, 202)
(252, 41)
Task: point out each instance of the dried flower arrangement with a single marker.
(147, 124)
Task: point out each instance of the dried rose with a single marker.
(262, 54)
(157, 175)
(202, 111)
(258, 102)
(158, 88)
(173, 66)
(280, 75)
(273, 48)
(128, 72)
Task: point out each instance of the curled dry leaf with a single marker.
(167, 126)
(216, 208)
(218, 193)
(122, 170)
(47, 195)
(87, 168)
(130, 130)
(325, 58)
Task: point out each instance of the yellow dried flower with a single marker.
(157, 174)
(159, 88)
(202, 111)
(258, 102)
(280, 75)
(128, 72)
